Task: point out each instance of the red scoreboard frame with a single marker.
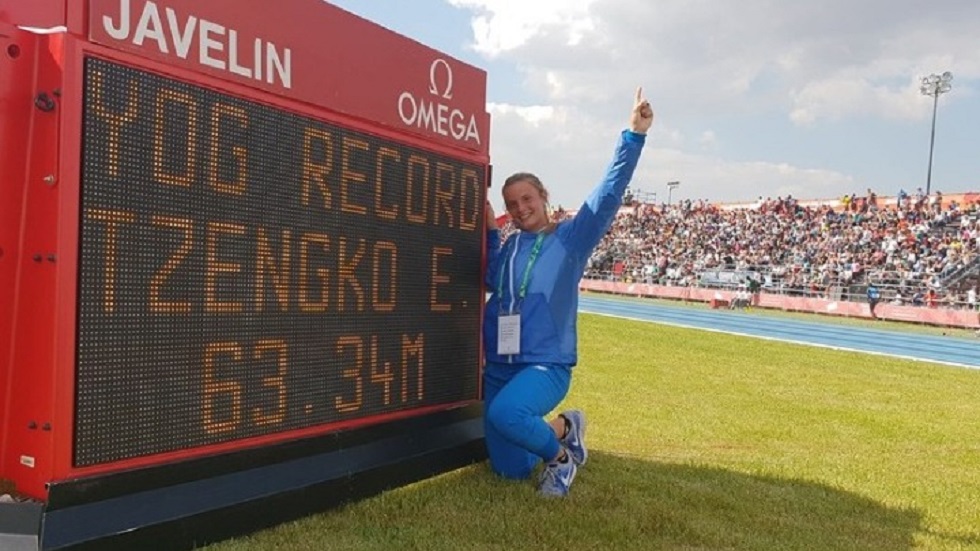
(228, 226)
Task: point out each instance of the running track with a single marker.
(957, 351)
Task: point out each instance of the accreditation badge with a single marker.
(509, 334)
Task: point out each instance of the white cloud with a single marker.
(502, 25)
(535, 115)
(843, 96)
(809, 64)
(708, 138)
(715, 179)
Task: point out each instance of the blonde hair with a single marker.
(529, 178)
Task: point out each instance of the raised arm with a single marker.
(592, 221)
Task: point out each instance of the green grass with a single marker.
(703, 441)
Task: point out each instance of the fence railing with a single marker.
(970, 269)
(940, 315)
(904, 292)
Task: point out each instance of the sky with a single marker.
(752, 98)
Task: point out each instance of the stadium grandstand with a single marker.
(919, 250)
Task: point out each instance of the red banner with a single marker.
(310, 51)
(717, 297)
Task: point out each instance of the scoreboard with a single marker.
(245, 270)
(230, 241)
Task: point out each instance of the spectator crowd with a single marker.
(910, 249)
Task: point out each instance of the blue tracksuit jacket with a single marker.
(549, 309)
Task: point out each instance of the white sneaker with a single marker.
(574, 441)
(557, 478)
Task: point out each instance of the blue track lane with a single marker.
(958, 351)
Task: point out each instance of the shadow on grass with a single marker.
(700, 507)
(616, 503)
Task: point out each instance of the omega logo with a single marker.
(434, 115)
(433, 81)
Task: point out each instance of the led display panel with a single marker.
(246, 270)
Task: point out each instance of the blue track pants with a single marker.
(516, 398)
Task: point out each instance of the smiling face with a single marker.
(526, 201)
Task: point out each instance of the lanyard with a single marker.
(535, 250)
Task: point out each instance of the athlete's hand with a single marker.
(641, 119)
(491, 217)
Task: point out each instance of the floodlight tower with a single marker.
(670, 189)
(934, 85)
